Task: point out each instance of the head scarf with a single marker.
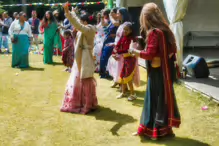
(125, 14)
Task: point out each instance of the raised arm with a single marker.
(75, 21)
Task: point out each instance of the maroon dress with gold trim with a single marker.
(160, 111)
(129, 65)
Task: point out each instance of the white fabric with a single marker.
(176, 10)
(15, 28)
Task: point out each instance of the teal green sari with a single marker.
(51, 40)
(20, 51)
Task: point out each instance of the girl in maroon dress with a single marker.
(129, 64)
(68, 51)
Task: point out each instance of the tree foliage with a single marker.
(1, 8)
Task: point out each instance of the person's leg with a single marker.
(132, 96)
(0, 42)
(6, 43)
(36, 41)
(123, 94)
(131, 88)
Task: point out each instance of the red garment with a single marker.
(157, 47)
(123, 45)
(68, 54)
(128, 68)
(153, 47)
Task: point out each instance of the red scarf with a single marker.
(168, 83)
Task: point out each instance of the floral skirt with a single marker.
(67, 58)
(80, 94)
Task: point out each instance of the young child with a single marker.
(129, 65)
(68, 51)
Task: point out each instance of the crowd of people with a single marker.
(106, 44)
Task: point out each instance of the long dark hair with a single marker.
(90, 19)
(106, 12)
(52, 18)
(114, 10)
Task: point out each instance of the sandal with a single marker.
(132, 97)
(114, 85)
(121, 96)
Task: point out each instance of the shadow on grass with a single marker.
(177, 141)
(106, 114)
(57, 63)
(32, 69)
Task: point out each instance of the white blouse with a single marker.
(15, 28)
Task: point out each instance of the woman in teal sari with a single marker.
(20, 33)
(51, 37)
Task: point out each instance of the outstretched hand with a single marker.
(66, 7)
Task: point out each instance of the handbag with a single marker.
(15, 39)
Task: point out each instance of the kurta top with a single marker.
(123, 45)
(83, 46)
(16, 28)
(153, 48)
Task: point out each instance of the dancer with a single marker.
(129, 64)
(51, 37)
(160, 111)
(20, 33)
(80, 95)
(68, 51)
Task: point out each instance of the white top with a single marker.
(15, 28)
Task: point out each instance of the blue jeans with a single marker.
(4, 41)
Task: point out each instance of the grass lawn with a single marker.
(30, 102)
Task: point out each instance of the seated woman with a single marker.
(20, 33)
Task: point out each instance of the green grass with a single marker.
(30, 102)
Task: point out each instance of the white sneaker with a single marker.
(132, 97)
